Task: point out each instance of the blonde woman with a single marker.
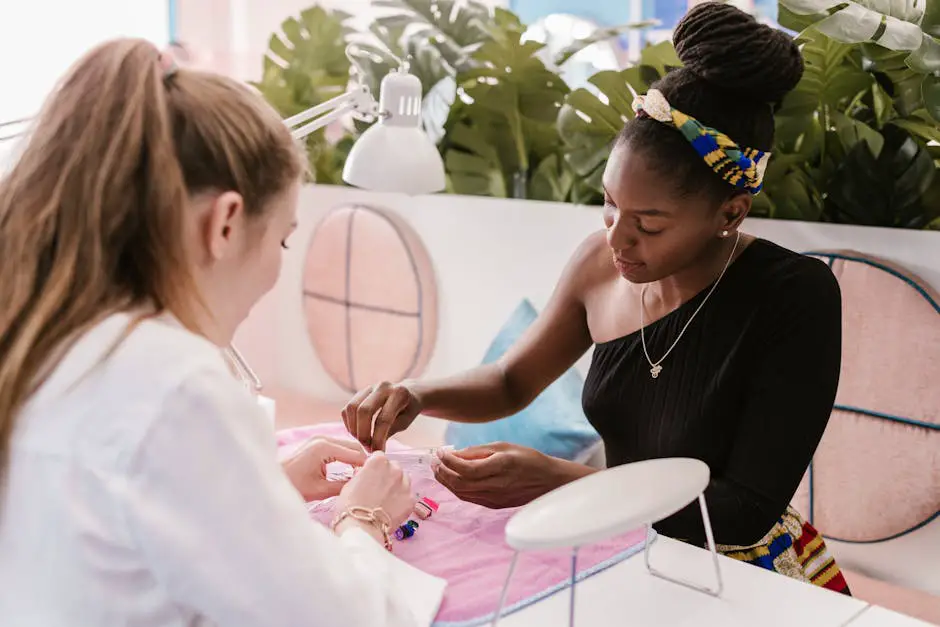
(144, 219)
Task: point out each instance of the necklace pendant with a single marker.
(655, 370)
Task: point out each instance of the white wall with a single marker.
(488, 255)
(232, 35)
(41, 39)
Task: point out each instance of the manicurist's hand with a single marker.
(504, 475)
(378, 412)
(306, 468)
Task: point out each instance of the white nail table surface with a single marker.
(875, 616)
(626, 595)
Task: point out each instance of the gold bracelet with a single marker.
(374, 516)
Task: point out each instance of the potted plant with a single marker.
(857, 140)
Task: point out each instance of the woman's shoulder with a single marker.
(112, 384)
(786, 273)
(787, 286)
(127, 350)
(590, 266)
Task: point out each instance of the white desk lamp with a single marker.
(606, 504)
(393, 155)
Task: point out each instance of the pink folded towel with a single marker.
(465, 544)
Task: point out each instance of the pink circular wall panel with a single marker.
(370, 297)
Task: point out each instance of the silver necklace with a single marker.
(656, 367)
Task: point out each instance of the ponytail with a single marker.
(92, 213)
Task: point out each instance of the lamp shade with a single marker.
(395, 159)
(395, 155)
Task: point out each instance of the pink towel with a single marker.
(465, 544)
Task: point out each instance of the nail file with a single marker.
(420, 460)
(418, 457)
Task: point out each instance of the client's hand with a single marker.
(504, 475)
(379, 483)
(306, 468)
(394, 406)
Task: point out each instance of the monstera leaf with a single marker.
(894, 24)
(833, 77)
(454, 28)
(306, 65)
(510, 101)
(884, 190)
(591, 118)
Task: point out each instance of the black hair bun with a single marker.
(725, 46)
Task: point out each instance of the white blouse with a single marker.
(143, 490)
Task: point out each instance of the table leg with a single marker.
(709, 536)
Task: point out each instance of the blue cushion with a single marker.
(553, 423)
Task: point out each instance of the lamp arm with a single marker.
(326, 120)
(357, 100)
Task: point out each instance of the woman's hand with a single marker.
(504, 475)
(379, 483)
(306, 468)
(393, 406)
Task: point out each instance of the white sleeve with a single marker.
(229, 538)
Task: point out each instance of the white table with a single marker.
(874, 616)
(626, 594)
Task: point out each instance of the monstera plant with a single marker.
(500, 136)
(858, 140)
(893, 24)
(591, 118)
(853, 139)
(306, 65)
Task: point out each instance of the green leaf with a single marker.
(883, 191)
(926, 58)
(473, 164)
(881, 105)
(453, 27)
(927, 132)
(831, 77)
(850, 22)
(793, 197)
(601, 34)
(931, 95)
(853, 131)
(551, 181)
(931, 22)
(510, 99)
(589, 122)
(661, 56)
(798, 134)
(793, 21)
(306, 65)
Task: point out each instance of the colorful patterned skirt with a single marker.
(793, 548)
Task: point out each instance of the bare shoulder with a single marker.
(590, 266)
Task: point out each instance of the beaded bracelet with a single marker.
(375, 517)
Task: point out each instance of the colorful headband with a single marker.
(743, 168)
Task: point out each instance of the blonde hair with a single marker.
(91, 215)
